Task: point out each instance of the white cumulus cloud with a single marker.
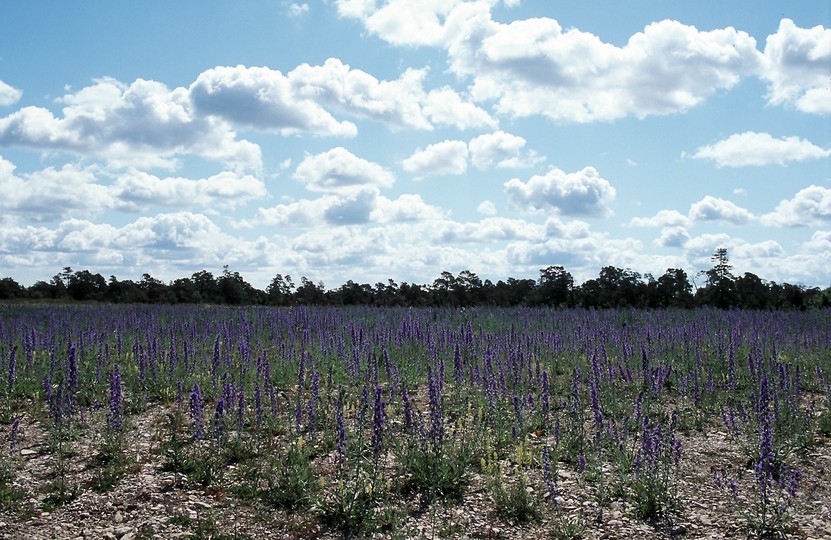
(664, 218)
(756, 149)
(298, 10)
(445, 107)
(446, 157)
(535, 67)
(262, 98)
(810, 206)
(51, 193)
(396, 103)
(673, 237)
(338, 170)
(714, 209)
(501, 148)
(487, 208)
(143, 123)
(226, 189)
(798, 61)
(583, 192)
(8, 94)
(402, 22)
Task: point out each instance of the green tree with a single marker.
(674, 289)
(751, 292)
(720, 290)
(555, 287)
(84, 285)
(10, 289)
(279, 291)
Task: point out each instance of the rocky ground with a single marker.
(148, 502)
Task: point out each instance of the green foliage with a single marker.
(514, 502)
(566, 527)
(441, 473)
(290, 482)
(9, 493)
(349, 506)
(176, 444)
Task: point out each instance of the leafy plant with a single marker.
(290, 483)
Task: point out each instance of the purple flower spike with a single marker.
(116, 415)
(196, 412)
(219, 419)
(14, 433)
(379, 416)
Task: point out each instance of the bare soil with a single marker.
(148, 502)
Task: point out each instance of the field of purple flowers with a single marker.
(402, 423)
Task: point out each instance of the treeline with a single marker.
(612, 288)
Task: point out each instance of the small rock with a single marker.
(28, 452)
(119, 517)
(678, 530)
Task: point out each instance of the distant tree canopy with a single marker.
(612, 288)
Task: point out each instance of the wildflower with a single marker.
(549, 476)
(215, 363)
(56, 406)
(379, 416)
(258, 405)
(46, 386)
(545, 394)
(71, 379)
(408, 409)
(792, 481)
(517, 402)
(340, 422)
(219, 419)
(116, 415)
(436, 426)
(180, 391)
(13, 433)
(311, 405)
(595, 403)
(196, 412)
(458, 365)
(12, 368)
(240, 410)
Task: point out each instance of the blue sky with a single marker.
(376, 139)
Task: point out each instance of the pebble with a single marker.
(119, 517)
(678, 530)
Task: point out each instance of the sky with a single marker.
(369, 140)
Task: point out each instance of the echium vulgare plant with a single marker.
(112, 445)
(574, 445)
(656, 467)
(774, 484)
(196, 406)
(435, 457)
